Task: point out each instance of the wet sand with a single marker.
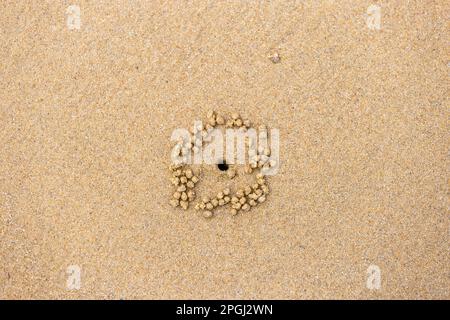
(87, 113)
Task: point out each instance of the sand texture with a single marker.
(86, 116)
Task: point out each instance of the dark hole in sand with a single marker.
(222, 166)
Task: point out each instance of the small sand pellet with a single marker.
(190, 184)
(184, 204)
(207, 214)
(220, 120)
(275, 58)
(188, 173)
(212, 122)
(177, 173)
(231, 173)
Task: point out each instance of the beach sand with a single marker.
(87, 113)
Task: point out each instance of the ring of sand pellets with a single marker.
(185, 179)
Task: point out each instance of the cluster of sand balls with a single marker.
(200, 134)
(250, 196)
(237, 122)
(244, 199)
(185, 179)
(260, 158)
(207, 205)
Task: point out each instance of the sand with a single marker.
(86, 116)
